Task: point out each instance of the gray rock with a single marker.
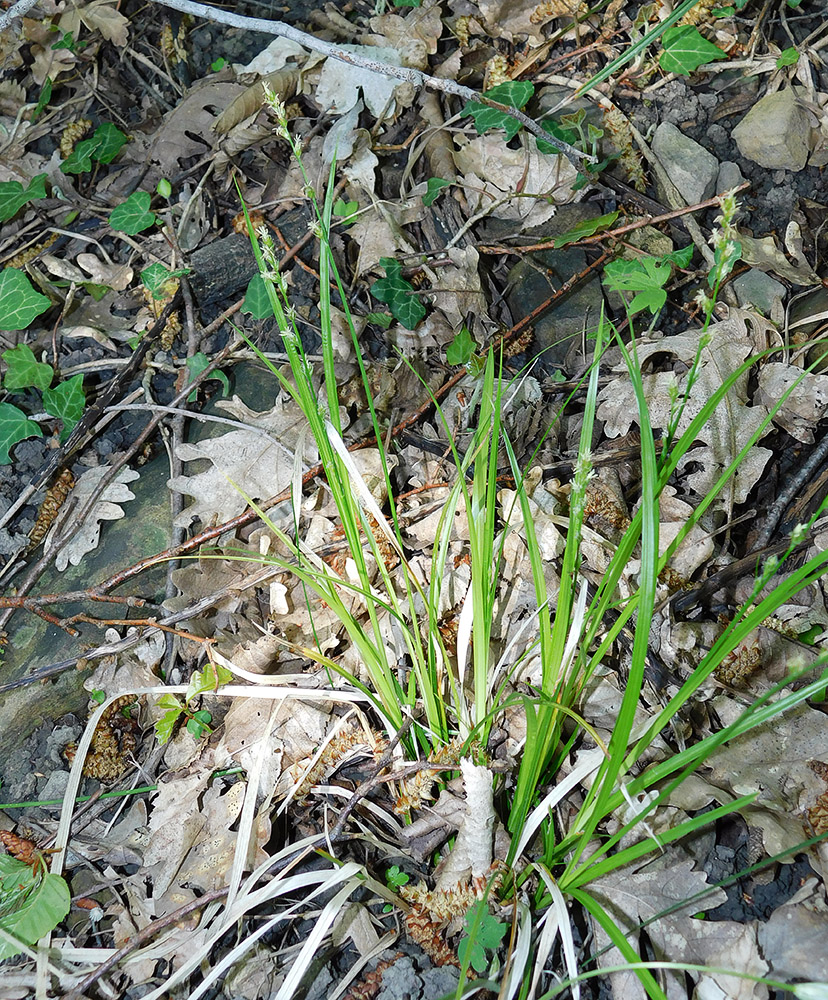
(55, 786)
(755, 288)
(691, 167)
(775, 132)
(729, 177)
(534, 280)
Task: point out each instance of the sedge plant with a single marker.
(392, 617)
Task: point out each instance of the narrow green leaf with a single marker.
(19, 302)
(45, 97)
(66, 401)
(25, 371)
(15, 426)
(685, 49)
(133, 215)
(588, 227)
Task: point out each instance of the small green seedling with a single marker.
(159, 281)
(483, 933)
(346, 211)
(164, 188)
(197, 720)
(398, 294)
(646, 276)
(67, 41)
(196, 365)
(218, 64)
(394, 878)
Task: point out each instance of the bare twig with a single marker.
(404, 73)
(16, 10)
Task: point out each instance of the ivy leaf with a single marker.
(79, 161)
(196, 365)
(398, 294)
(15, 426)
(645, 276)
(568, 135)
(67, 402)
(40, 903)
(110, 140)
(103, 145)
(133, 215)
(158, 279)
(588, 227)
(256, 299)
(434, 186)
(13, 196)
(514, 93)
(685, 49)
(25, 371)
(460, 350)
(19, 302)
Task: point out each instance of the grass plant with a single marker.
(392, 619)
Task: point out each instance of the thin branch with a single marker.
(18, 9)
(404, 73)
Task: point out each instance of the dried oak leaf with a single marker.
(107, 508)
(728, 430)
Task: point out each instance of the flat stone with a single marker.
(775, 132)
(690, 166)
(757, 289)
